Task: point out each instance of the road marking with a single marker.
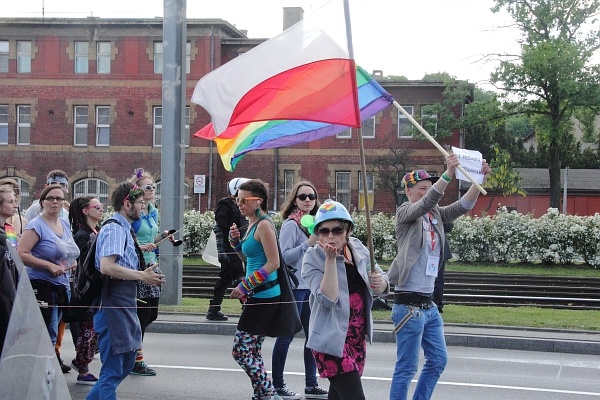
(376, 378)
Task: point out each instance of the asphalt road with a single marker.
(201, 367)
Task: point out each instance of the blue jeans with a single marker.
(282, 345)
(425, 329)
(115, 367)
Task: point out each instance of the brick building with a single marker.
(84, 95)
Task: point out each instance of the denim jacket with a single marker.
(329, 319)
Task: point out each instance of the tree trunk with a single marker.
(554, 171)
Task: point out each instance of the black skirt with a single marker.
(259, 316)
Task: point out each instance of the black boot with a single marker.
(215, 314)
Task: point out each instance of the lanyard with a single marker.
(431, 231)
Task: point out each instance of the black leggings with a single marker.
(346, 387)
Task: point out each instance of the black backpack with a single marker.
(88, 281)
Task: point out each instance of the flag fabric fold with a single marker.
(304, 73)
(236, 141)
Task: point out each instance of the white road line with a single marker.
(376, 378)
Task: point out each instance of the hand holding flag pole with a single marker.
(437, 145)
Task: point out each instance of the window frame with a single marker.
(405, 122)
(103, 58)
(343, 192)
(426, 117)
(371, 127)
(288, 182)
(159, 56)
(24, 57)
(4, 56)
(81, 58)
(23, 125)
(80, 126)
(4, 124)
(101, 191)
(156, 127)
(345, 134)
(100, 126)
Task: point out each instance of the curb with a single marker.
(504, 340)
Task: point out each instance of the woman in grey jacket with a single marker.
(337, 272)
(294, 240)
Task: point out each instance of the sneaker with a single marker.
(140, 368)
(316, 392)
(88, 379)
(63, 367)
(74, 365)
(287, 394)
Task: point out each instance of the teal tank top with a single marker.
(255, 260)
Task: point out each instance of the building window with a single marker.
(102, 126)
(4, 55)
(370, 191)
(342, 188)
(92, 187)
(368, 128)
(3, 124)
(157, 127)
(80, 116)
(429, 119)
(23, 56)
(288, 182)
(82, 57)
(103, 57)
(159, 53)
(25, 199)
(404, 125)
(158, 57)
(346, 134)
(186, 197)
(23, 124)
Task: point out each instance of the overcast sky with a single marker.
(400, 37)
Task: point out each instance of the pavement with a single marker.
(511, 338)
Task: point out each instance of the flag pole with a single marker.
(361, 146)
(437, 145)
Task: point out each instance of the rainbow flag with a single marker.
(304, 73)
(238, 140)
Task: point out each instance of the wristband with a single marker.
(446, 178)
(250, 282)
(237, 248)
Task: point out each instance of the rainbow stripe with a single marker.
(11, 235)
(238, 140)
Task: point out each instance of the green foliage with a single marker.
(512, 237)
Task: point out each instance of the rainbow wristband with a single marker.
(446, 178)
(251, 281)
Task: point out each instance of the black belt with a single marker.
(412, 301)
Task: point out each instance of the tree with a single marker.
(553, 75)
(389, 169)
(503, 179)
(586, 119)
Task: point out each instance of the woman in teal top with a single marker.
(259, 291)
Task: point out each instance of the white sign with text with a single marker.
(472, 162)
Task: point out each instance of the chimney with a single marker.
(291, 15)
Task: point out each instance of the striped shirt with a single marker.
(111, 241)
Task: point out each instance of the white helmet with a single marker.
(234, 184)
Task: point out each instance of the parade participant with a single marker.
(227, 213)
(338, 273)
(18, 221)
(85, 214)
(294, 240)
(420, 237)
(48, 250)
(116, 322)
(54, 177)
(258, 248)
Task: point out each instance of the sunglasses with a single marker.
(98, 207)
(149, 187)
(244, 200)
(51, 199)
(303, 196)
(337, 231)
(58, 183)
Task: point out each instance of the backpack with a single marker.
(88, 281)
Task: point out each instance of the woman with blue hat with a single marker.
(337, 271)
